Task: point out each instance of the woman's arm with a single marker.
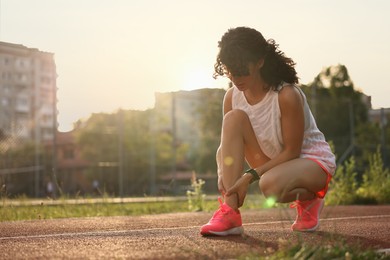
(292, 123)
(227, 106)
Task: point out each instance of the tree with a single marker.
(210, 111)
(339, 108)
(17, 161)
(126, 139)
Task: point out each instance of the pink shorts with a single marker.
(321, 194)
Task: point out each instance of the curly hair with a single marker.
(242, 45)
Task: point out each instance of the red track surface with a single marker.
(176, 236)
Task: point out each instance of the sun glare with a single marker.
(198, 78)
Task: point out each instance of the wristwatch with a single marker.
(255, 176)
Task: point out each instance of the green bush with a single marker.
(374, 189)
(196, 196)
(376, 181)
(343, 185)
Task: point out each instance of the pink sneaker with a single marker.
(308, 213)
(225, 221)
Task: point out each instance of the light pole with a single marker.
(174, 141)
(351, 148)
(120, 152)
(152, 153)
(383, 124)
(37, 128)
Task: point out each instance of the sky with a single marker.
(116, 54)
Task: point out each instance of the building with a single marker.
(183, 115)
(380, 116)
(179, 112)
(27, 94)
(70, 166)
(176, 113)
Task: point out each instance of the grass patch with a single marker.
(63, 209)
(26, 211)
(335, 250)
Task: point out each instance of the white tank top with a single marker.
(265, 118)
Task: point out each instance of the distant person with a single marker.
(267, 123)
(95, 185)
(50, 189)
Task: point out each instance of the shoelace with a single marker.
(220, 212)
(221, 208)
(300, 209)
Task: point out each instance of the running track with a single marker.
(175, 236)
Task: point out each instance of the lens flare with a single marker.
(270, 202)
(228, 161)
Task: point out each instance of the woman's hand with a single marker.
(221, 188)
(240, 188)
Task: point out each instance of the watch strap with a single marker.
(255, 175)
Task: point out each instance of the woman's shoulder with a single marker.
(228, 100)
(289, 93)
(230, 91)
(284, 85)
(285, 89)
(229, 94)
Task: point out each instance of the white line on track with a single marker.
(322, 220)
(116, 232)
(93, 233)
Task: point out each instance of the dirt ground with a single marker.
(176, 236)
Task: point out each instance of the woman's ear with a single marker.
(260, 64)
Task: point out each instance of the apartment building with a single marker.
(27, 94)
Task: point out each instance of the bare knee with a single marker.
(236, 117)
(269, 187)
(283, 191)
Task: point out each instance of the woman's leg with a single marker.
(238, 141)
(298, 179)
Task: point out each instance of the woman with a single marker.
(267, 123)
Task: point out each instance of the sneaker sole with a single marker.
(232, 231)
(309, 229)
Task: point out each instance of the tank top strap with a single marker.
(280, 86)
(283, 84)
